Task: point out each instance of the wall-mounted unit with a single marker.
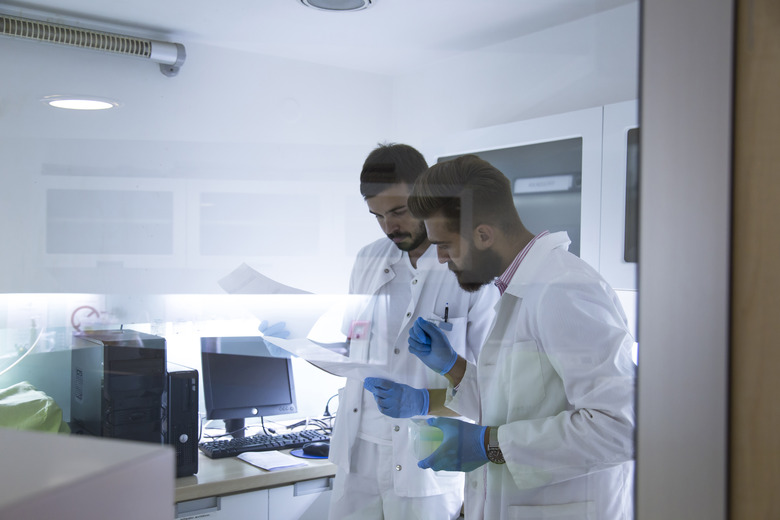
(554, 164)
(575, 172)
(170, 56)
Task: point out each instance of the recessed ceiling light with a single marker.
(338, 5)
(80, 102)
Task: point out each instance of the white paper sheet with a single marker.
(329, 361)
(245, 280)
(271, 460)
(346, 359)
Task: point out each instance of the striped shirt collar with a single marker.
(502, 282)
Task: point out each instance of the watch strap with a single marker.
(494, 452)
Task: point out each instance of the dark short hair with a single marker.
(466, 190)
(389, 164)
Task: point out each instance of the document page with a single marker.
(316, 322)
(271, 460)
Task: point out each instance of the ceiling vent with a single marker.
(170, 56)
(338, 5)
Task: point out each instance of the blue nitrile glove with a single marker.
(397, 399)
(428, 342)
(277, 330)
(462, 449)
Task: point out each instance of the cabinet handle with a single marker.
(317, 485)
(199, 506)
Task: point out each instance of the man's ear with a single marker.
(483, 236)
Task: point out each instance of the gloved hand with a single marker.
(462, 449)
(277, 330)
(428, 342)
(397, 399)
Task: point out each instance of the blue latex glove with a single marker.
(397, 399)
(277, 330)
(428, 342)
(462, 449)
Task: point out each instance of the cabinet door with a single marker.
(305, 500)
(620, 180)
(113, 222)
(554, 163)
(252, 505)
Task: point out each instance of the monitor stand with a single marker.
(235, 427)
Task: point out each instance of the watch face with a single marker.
(495, 455)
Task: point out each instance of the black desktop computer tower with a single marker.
(123, 387)
(118, 379)
(181, 423)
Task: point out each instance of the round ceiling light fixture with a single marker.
(338, 5)
(80, 102)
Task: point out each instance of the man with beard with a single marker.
(552, 391)
(377, 475)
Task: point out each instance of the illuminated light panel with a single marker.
(79, 103)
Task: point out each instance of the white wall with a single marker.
(585, 63)
(229, 121)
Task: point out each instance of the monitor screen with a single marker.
(242, 380)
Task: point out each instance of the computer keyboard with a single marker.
(231, 447)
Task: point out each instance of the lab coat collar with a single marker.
(427, 261)
(535, 258)
(393, 256)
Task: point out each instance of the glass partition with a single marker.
(132, 219)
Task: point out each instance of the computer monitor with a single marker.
(241, 380)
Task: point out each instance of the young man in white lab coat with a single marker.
(553, 388)
(377, 475)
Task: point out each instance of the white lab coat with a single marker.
(557, 377)
(433, 288)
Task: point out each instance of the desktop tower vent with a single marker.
(170, 56)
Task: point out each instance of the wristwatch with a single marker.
(494, 452)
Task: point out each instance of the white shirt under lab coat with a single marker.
(432, 288)
(557, 377)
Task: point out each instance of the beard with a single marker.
(411, 241)
(484, 267)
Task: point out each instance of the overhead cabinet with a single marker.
(573, 172)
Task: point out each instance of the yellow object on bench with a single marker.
(23, 407)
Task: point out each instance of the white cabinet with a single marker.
(619, 195)
(304, 500)
(568, 173)
(532, 151)
(252, 505)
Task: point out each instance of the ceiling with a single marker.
(391, 37)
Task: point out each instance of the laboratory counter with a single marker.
(221, 477)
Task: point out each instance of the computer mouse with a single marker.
(316, 449)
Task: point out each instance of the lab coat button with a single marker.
(398, 468)
(387, 270)
(355, 410)
(396, 428)
(408, 314)
(397, 351)
(414, 282)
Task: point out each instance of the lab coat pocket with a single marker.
(521, 367)
(457, 335)
(574, 511)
